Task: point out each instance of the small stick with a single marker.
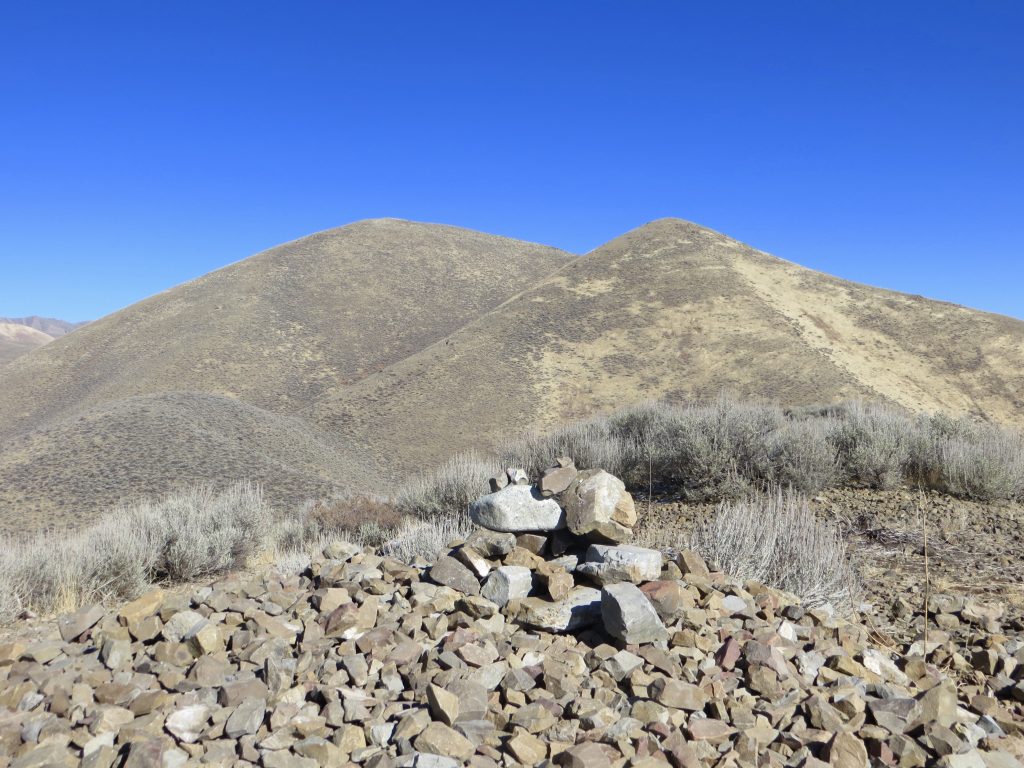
(927, 580)
(650, 479)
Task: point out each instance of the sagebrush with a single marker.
(776, 539)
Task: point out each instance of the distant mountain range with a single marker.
(19, 335)
(356, 357)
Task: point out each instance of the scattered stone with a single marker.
(75, 624)
(187, 724)
(580, 609)
(451, 573)
(558, 478)
(611, 564)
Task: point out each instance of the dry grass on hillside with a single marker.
(374, 352)
(154, 445)
(724, 450)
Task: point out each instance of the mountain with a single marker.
(361, 355)
(19, 335)
(679, 311)
(17, 340)
(273, 335)
(50, 326)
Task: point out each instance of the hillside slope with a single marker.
(272, 335)
(285, 327)
(675, 310)
(360, 356)
(17, 339)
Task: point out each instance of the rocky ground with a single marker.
(542, 639)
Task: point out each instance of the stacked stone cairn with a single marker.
(542, 639)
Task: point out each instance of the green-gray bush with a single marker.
(776, 540)
(874, 444)
(181, 537)
(449, 489)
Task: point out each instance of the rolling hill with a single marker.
(361, 355)
(20, 335)
(276, 333)
(17, 340)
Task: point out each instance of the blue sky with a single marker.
(144, 144)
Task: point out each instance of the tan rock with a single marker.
(439, 739)
(598, 506)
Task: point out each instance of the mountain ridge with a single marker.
(401, 343)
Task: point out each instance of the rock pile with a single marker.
(543, 638)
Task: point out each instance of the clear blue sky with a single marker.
(143, 144)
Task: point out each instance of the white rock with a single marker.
(580, 609)
(517, 509)
(598, 506)
(181, 624)
(879, 663)
(187, 724)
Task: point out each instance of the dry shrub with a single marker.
(359, 517)
(428, 539)
(988, 465)
(718, 450)
(803, 456)
(777, 540)
(589, 444)
(181, 537)
(874, 444)
(449, 489)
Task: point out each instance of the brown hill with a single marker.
(17, 339)
(278, 332)
(676, 310)
(20, 335)
(403, 343)
(51, 326)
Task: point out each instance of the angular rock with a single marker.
(246, 719)
(612, 564)
(580, 609)
(491, 543)
(508, 582)
(439, 739)
(678, 694)
(444, 706)
(72, 625)
(517, 509)
(669, 598)
(142, 607)
(451, 573)
(555, 580)
(558, 478)
(182, 624)
(598, 506)
(692, 564)
(629, 615)
(187, 723)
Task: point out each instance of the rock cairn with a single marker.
(543, 639)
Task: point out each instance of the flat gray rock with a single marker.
(609, 565)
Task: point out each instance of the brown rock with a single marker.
(73, 625)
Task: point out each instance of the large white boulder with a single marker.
(517, 509)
